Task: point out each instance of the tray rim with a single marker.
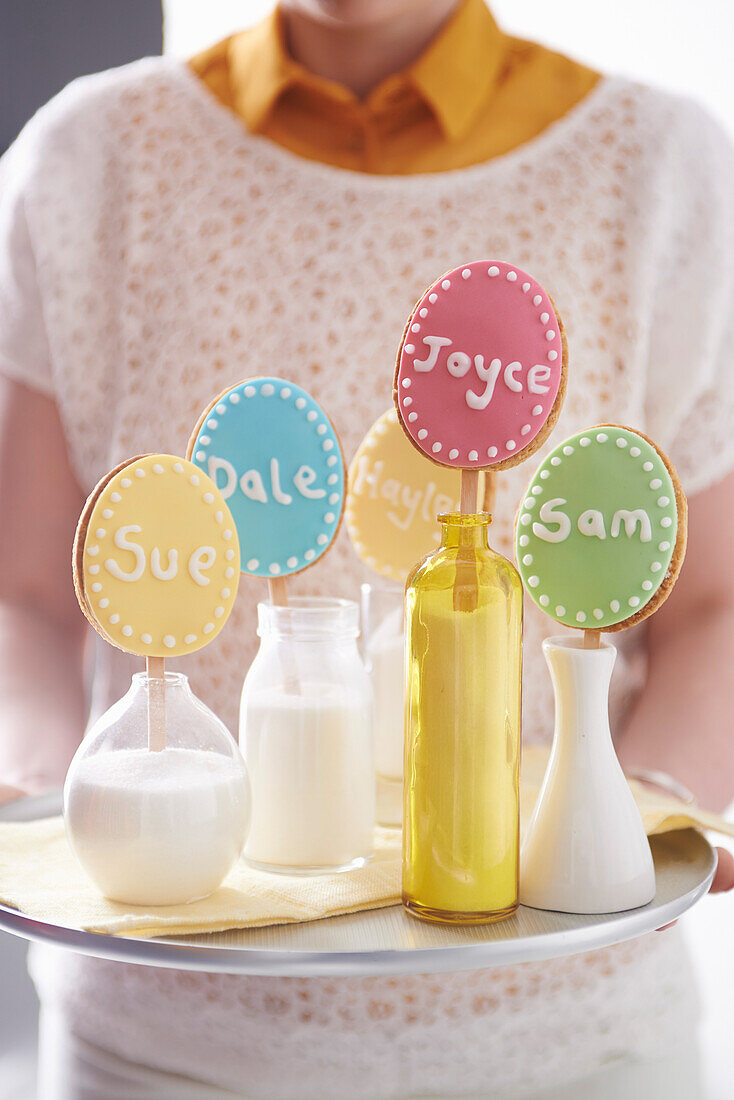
(276, 962)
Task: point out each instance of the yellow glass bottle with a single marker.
(463, 660)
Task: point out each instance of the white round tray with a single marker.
(388, 941)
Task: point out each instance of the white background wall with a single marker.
(685, 45)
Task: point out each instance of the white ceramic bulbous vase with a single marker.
(585, 850)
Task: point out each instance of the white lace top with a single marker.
(152, 252)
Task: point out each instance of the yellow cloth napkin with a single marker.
(40, 876)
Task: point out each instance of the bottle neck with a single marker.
(581, 679)
(310, 619)
(172, 679)
(458, 530)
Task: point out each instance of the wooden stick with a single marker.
(155, 668)
(278, 591)
(490, 490)
(465, 584)
(279, 598)
(469, 492)
(592, 639)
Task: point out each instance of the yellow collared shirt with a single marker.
(473, 94)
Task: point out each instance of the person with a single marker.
(277, 206)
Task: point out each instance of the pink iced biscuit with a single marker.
(481, 366)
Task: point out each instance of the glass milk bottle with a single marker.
(306, 734)
(157, 826)
(463, 656)
(384, 647)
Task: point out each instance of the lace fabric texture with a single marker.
(513, 1031)
(152, 252)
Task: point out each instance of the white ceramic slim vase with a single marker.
(585, 850)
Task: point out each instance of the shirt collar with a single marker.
(453, 75)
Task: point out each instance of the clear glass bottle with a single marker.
(157, 826)
(383, 615)
(306, 734)
(461, 801)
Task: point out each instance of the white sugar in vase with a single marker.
(586, 850)
(157, 827)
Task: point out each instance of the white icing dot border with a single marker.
(623, 438)
(542, 303)
(115, 497)
(317, 419)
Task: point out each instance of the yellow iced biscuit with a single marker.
(394, 496)
(156, 557)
